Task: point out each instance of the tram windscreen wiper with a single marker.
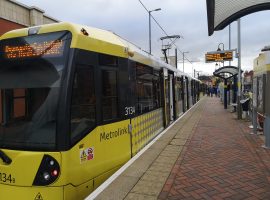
(5, 158)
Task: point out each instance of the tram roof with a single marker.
(98, 40)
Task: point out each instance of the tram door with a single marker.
(184, 81)
(187, 93)
(171, 97)
(166, 100)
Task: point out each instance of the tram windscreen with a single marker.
(30, 77)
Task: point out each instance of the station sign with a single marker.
(219, 56)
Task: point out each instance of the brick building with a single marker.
(15, 15)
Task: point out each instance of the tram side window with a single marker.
(108, 60)
(178, 89)
(83, 103)
(109, 95)
(147, 89)
(1, 111)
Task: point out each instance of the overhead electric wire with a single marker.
(164, 32)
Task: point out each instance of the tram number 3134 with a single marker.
(129, 110)
(6, 178)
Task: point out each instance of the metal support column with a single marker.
(176, 58)
(254, 120)
(254, 106)
(239, 109)
(234, 89)
(149, 13)
(225, 93)
(229, 40)
(266, 131)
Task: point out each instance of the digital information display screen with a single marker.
(51, 48)
(218, 56)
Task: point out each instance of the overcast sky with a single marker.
(187, 18)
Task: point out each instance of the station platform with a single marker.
(207, 154)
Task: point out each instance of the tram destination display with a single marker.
(45, 45)
(46, 48)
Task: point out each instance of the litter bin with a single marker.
(245, 106)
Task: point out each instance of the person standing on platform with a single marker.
(211, 91)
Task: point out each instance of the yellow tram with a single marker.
(76, 104)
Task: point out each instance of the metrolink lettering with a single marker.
(113, 134)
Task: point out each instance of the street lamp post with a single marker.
(184, 60)
(219, 47)
(220, 50)
(197, 73)
(149, 13)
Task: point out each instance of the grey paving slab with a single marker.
(149, 155)
(138, 168)
(119, 189)
(182, 135)
(161, 167)
(170, 154)
(135, 196)
(178, 141)
(165, 159)
(148, 187)
(168, 137)
(155, 176)
(160, 145)
(172, 149)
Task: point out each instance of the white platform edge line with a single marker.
(104, 185)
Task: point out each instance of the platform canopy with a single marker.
(221, 13)
(231, 70)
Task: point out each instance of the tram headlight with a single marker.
(46, 176)
(48, 171)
